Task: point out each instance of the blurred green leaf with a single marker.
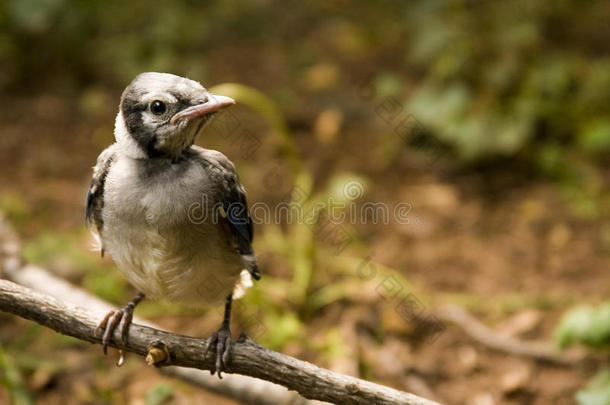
(64, 253)
(269, 110)
(389, 84)
(109, 285)
(584, 324)
(34, 15)
(60, 250)
(159, 395)
(12, 380)
(334, 345)
(595, 136)
(15, 207)
(334, 292)
(286, 328)
(597, 390)
(302, 242)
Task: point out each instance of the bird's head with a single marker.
(161, 114)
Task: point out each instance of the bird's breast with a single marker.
(156, 190)
(158, 231)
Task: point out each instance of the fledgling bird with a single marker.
(147, 188)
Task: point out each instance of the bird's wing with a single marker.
(235, 206)
(95, 195)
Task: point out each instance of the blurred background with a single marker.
(483, 126)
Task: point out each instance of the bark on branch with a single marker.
(248, 358)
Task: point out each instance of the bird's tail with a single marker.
(244, 282)
(249, 261)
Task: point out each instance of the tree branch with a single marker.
(245, 389)
(248, 358)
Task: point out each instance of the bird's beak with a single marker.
(214, 103)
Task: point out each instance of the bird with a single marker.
(172, 215)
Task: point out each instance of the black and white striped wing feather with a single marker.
(234, 204)
(95, 195)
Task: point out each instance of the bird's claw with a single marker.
(221, 340)
(120, 317)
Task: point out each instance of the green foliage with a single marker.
(58, 249)
(12, 380)
(66, 254)
(597, 390)
(492, 88)
(108, 284)
(595, 136)
(301, 244)
(286, 327)
(587, 325)
(159, 395)
(268, 109)
(591, 327)
(333, 344)
(14, 206)
(488, 79)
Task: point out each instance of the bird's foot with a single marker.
(122, 318)
(221, 340)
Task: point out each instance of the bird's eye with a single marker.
(158, 107)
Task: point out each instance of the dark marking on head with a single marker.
(132, 109)
(155, 137)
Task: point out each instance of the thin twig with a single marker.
(544, 351)
(248, 358)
